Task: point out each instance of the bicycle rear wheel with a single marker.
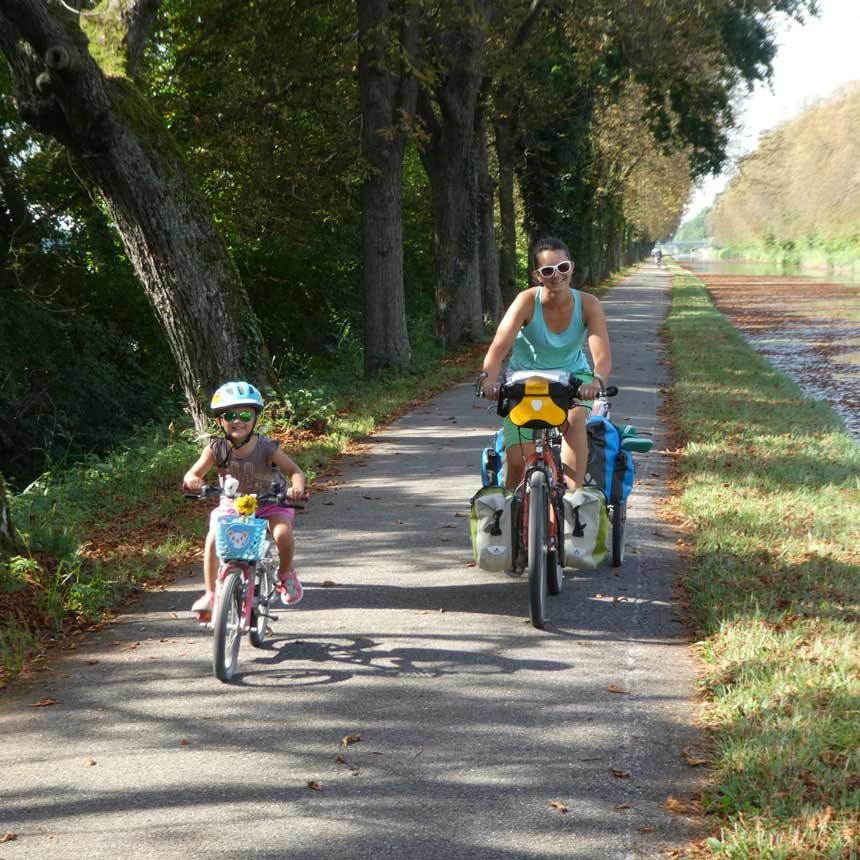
(619, 521)
(263, 590)
(228, 626)
(538, 535)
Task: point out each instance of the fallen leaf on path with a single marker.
(184, 743)
(624, 806)
(132, 646)
(90, 762)
(329, 583)
(92, 662)
(372, 498)
(350, 739)
(313, 785)
(340, 759)
(328, 502)
(647, 829)
(398, 522)
(681, 807)
(614, 688)
(471, 564)
(620, 774)
(172, 616)
(460, 514)
(44, 703)
(8, 836)
(557, 804)
(693, 758)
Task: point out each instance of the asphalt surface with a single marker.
(472, 723)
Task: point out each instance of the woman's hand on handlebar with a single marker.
(589, 390)
(485, 388)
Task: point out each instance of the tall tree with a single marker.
(449, 105)
(386, 35)
(74, 79)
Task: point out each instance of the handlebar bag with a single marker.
(586, 528)
(492, 528)
(536, 403)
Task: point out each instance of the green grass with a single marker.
(87, 530)
(770, 496)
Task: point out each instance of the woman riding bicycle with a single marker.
(546, 327)
(255, 461)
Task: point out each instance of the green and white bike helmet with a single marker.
(233, 394)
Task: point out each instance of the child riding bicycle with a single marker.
(546, 327)
(256, 461)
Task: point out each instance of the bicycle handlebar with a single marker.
(573, 386)
(271, 497)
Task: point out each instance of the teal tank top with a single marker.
(537, 348)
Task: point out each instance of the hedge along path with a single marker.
(770, 498)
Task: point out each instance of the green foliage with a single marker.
(693, 230)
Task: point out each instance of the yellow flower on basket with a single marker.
(246, 505)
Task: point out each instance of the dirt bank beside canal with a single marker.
(807, 328)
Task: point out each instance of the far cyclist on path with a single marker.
(255, 461)
(547, 326)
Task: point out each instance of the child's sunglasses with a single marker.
(244, 415)
(548, 271)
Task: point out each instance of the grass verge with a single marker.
(103, 529)
(769, 491)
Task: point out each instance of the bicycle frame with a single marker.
(543, 458)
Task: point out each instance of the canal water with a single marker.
(807, 324)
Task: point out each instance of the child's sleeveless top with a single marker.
(537, 348)
(255, 472)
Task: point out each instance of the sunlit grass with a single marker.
(770, 497)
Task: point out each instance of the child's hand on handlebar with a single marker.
(295, 495)
(192, 483)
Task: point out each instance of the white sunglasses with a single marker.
(548, 271)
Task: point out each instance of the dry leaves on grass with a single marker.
(683, 807)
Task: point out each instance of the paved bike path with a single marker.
(471, 722)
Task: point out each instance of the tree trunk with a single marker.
(449, 159)
(10, 543)
(386, 338)
(488, 253)
(504, 138)
(125, 150)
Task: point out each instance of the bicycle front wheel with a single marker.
(228, 626)
(538, 535)
(265, 588)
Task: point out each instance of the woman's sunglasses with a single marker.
(244, 415)
(548, 271)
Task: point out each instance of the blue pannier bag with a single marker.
(610, 467)
(493, 463)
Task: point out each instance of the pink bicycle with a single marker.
(247, 576)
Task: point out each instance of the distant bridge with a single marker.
(683, 246)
